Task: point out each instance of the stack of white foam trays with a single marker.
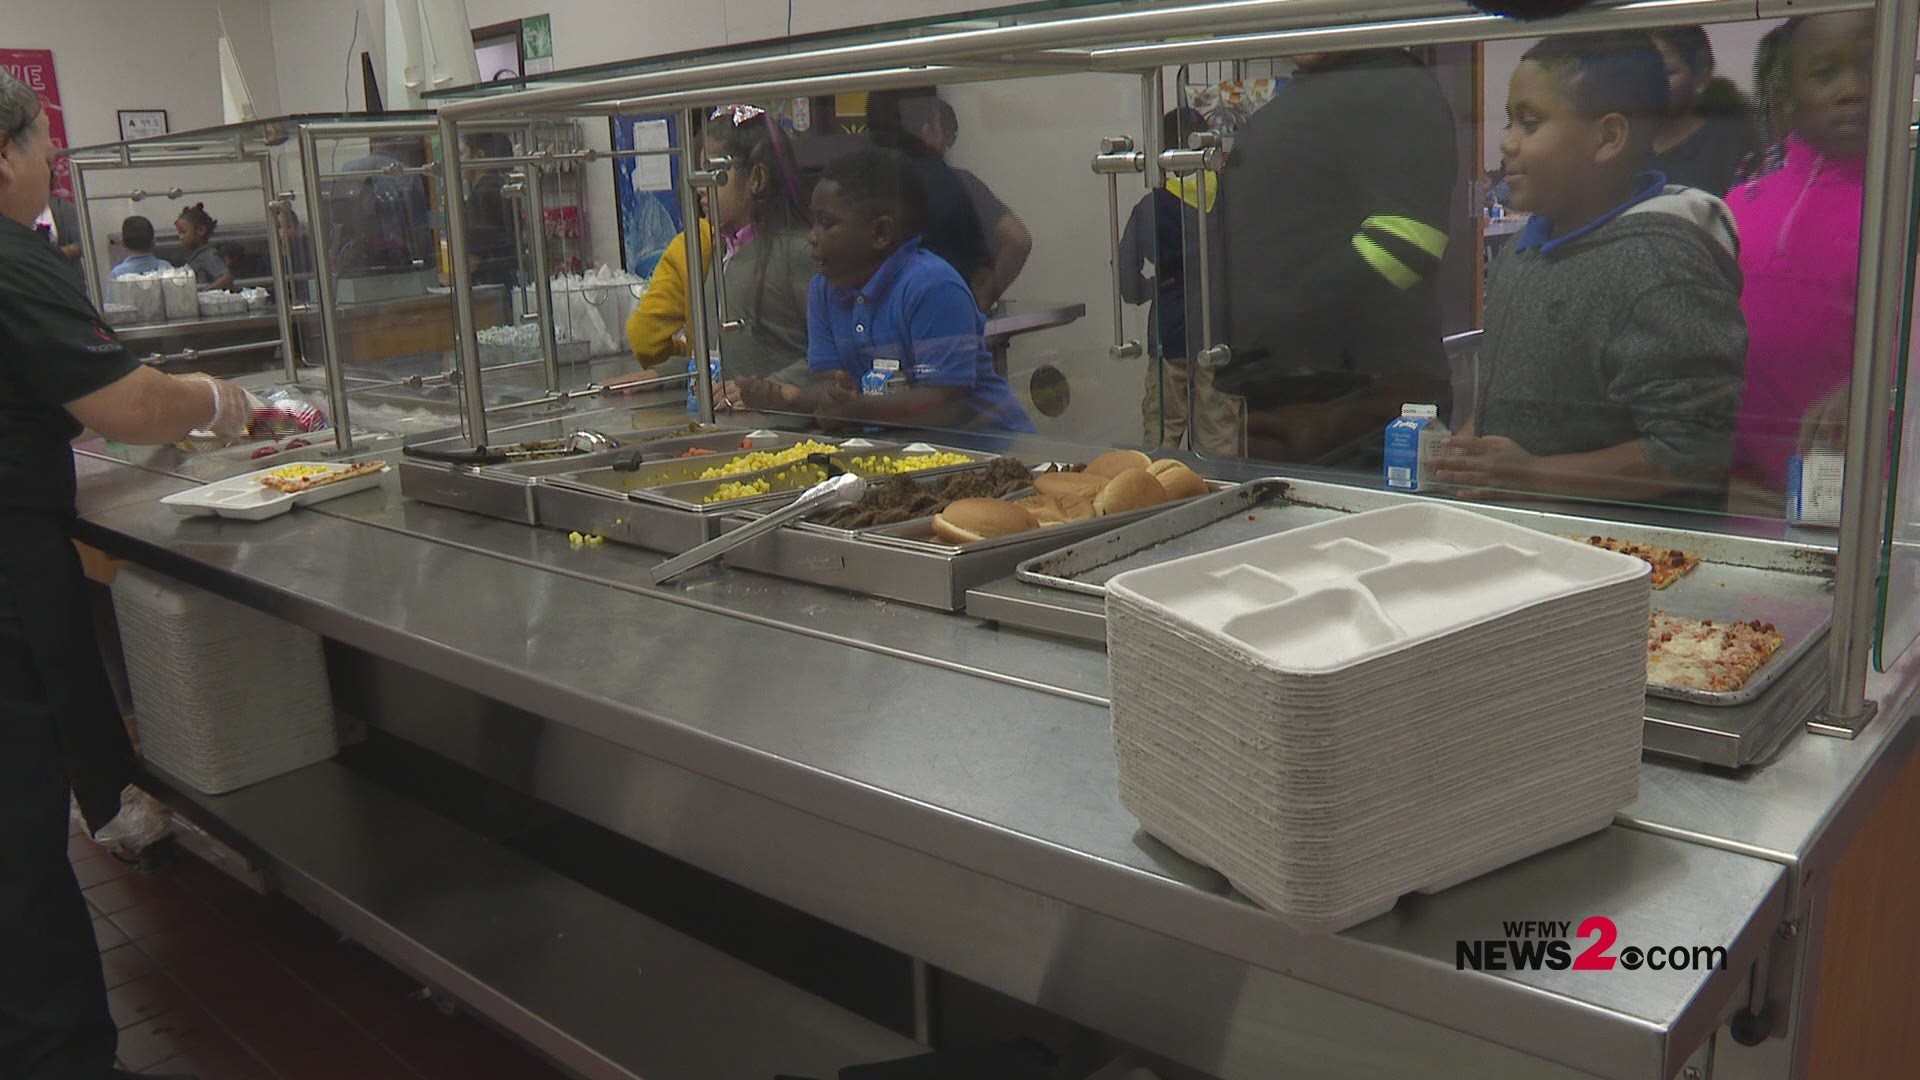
(225, 696)
(1389, 702)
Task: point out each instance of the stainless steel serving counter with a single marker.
(948, 790)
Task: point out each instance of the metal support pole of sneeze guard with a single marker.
(276, 204)
(1117, 157)
(88, 252)
(714, 177)
(696, 276)
(336, 364)
(1203, 158)
(1153, 96)
(543, 281)
(473, 398)
(1876, 333)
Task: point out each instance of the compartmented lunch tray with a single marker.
(245, 498)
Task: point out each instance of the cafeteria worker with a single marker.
(60, 726)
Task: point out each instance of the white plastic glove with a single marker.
(233, 406)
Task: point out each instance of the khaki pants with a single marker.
(1219, 420)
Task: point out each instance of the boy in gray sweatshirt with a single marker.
(1613, 360)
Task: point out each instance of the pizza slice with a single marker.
(294, 479)
(1698, 654)
(1669, 564)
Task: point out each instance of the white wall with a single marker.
(121, 54)
(1032, 141)
(318, 71)
(312, 36)
(321, 69)
(813, 15)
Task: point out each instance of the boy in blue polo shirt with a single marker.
(136, 235)
(893, 334)
(1615, 348)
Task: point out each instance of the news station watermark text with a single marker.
(1546, 945)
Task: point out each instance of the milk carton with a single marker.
(1813, 487)
(1412, 443)
(879, 379)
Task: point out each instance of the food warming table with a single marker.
(959, 782)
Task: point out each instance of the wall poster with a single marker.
(35, 68)
(644, 191)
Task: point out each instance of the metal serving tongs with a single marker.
(831, 492)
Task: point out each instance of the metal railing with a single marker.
(1278, 25)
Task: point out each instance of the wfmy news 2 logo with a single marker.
(1549, 946)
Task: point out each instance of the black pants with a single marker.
(54, 1023)
(60, 731)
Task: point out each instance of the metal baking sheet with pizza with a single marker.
(267, 493)
(1714, 636)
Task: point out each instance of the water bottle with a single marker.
(693, 388)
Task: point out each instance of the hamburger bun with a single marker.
(1057, 509)
(1077, 507)
(1131, 490)
(1085, 485)
(1180, 481)
(966, 521)
(1045, 509)
(1114, 462)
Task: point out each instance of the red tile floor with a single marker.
(206, 977)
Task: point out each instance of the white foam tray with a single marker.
(245, 498)
(1390, 702)
(199, 722)
(1324, 597)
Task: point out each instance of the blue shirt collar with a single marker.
(884, 277)
(1539, 231)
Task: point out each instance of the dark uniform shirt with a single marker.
(987, 207)
(60, 726)
(55, 350)
(1334, 211)
(952, 228)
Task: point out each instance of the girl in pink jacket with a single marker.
(1800, 251)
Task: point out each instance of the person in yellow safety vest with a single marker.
(1335, 209)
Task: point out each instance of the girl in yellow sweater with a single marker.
(655, 329)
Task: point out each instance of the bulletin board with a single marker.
(645, 190)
